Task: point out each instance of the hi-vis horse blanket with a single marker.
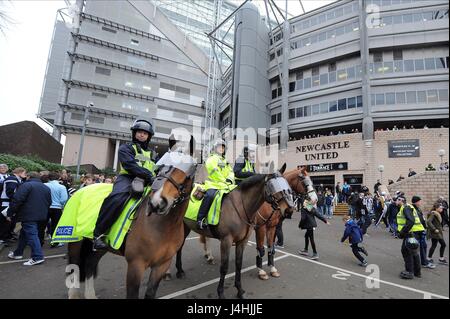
(214, 210)
(81, 212)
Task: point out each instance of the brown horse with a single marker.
(236, 220)
(267, 220)
(155, 235)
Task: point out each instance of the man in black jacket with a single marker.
(244, 166)
(30, 205)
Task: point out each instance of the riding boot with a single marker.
(204, 207)
(99, 243)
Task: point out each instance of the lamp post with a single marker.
(85, 123)
(441, 154)
(381, 169)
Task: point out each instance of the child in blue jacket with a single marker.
(355, 236)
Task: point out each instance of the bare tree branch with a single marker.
(5, 19)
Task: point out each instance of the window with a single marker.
(378, 57)
(339, 12)
(400, 97)
(411, 97)
(315, 109)
(398, 55)
(272, 56)
(443, 95)
(280, 91)
(313, 39)
(351, 102)
(307, 110)
(333, 106)
(342, 104)
(273, 119)
(379, 99)
(332, 77)
(323, 108)
(407, 18)
(397, 19)
(378, 67)
(324, 79)
(279, 117)
(359, 101)
(398, 66)
(427, 16)
(422, 96)
(430, 64)
(432, 96)
(388, 67)
(274, 94)
(299, 112)
(299, 85)
(322, 18)
(446, 59)
(417, 17)
(332, 67)
(358, 71)
(291, 113)
(409, 65)
(387, 20)
(340, 31)
(440, 63)
(102, 71)
(342, 75)
(299, 75)
(330, 15)
(315, 80)
(99, 95)
(390, 98)
(109, 30)
(372, 99)
(307, 83)
(331, 34)
(351, 72)
(419, 65)
(315, 70)
(291, 86)
(322, 36)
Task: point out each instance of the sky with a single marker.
(24, 49)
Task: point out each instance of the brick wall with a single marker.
(427, 185)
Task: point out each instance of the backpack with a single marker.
(329, 200)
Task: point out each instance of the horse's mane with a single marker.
(251, 181)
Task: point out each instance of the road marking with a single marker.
(193, 238)
(425, 293)
(25, 259)
(210, 282)
(341, 275)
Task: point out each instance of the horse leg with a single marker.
(239, 254)
(260, 252)
(91, 265)
(135, 272)
(270, 237)
(225, 245)
(180, 272)
(155, 278)
(74, 262)
(168, 275)
(208, 255)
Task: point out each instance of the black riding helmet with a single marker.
(142, 125)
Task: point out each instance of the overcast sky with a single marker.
(24, 51)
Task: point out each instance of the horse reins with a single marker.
(181, 188)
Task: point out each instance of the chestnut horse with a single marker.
(155, 235)
(267, 220)
(237, 220)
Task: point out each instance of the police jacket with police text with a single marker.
(128, 161)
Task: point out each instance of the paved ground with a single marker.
(335, 275)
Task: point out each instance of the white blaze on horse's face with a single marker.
(157, 200)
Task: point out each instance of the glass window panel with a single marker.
(331, 34)
(332, 66)
(378, 57)
(440, 63)
(387, 20)
(322, 18)
(342, 104)
(291, 86)
(306, 42)
(351, 102)
(398, 55)
(407, 18)
(330, 15)
(279, 117)
(299, 112)
(443, 95)
(397, 19)
(340, 31)
(432, 96)
(372, 99)
(323, 107)
(358, 71)
(339, 12)
(348, 28)
(313, 39)
(351, 72)
(280, 91)
(315, 70)
(299, 85)
(417, 17)
(430, 64)
(307, 110)
(411, 97)
(315, 80)
(313, 21)
(409, 65)
(315, 109)
(400, 97)
(390, 98)
(355, 6)
(422, 96)
(385, 2)
(359, 101)
(324, 79)
(376, 2)
(378, 67)
(371, 69)
(274, 94)
(332, 77)
(291, 113)
(348, 9)
(307, 83)
(398, 66)
(427, 16)
(299, 75)
(322, 36)
(419, 65)
(379, 99)
(355, 26)
(305, 24)
(395, 2)
(388, 67)
(273, 119)
(333, 106)
(342, 75)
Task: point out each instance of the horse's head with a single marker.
(301, 183)
(173, 182)
(278, 192)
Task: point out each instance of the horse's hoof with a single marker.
(181, 275)
(263, 276)
(275, 274)
(167, 277)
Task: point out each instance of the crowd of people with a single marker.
(36, 200)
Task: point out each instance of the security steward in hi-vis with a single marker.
(136, 171)
(244, 166)
(220, 176)
(408, 223)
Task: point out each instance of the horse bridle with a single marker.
(159, 181)
(306, 180)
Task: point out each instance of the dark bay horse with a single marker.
(155, 236)
(267, 219)
(237, 220)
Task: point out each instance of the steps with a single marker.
(341, 209)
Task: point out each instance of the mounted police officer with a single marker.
(408, 223)
(244, 166)
(220, 177)
(136, 167)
